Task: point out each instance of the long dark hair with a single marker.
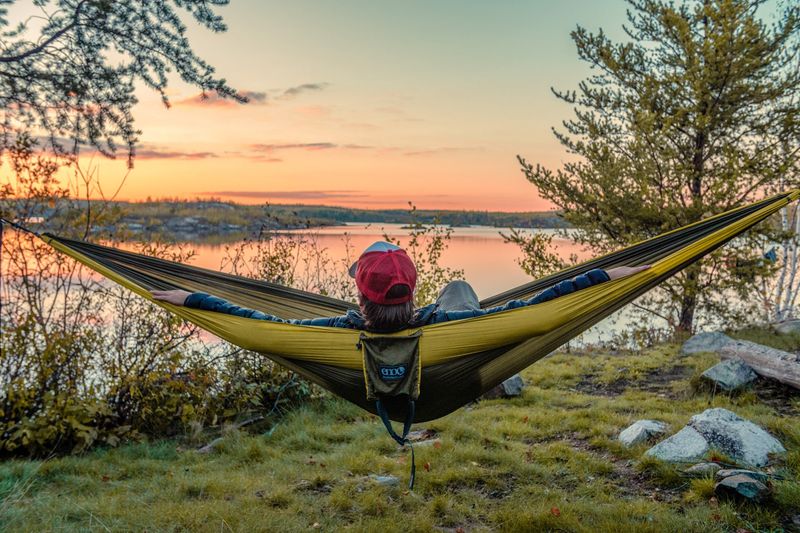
(395, 317)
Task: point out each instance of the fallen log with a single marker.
(767, 362)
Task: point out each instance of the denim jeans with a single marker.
(458, 295)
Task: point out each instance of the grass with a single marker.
(548, 460)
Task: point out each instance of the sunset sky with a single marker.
(370, 104)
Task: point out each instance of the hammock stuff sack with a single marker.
(458, 360)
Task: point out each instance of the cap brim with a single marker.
(352, 269)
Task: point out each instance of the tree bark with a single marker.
(767, 362)
(688, 300)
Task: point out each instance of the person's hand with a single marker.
(621, 272)
(175, 297)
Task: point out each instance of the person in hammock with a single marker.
(386, 277)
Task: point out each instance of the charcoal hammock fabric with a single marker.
(459, 360)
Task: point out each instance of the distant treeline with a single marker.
(204, 219)
(532, 219)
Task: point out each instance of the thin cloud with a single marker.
(309, 147)
(155, 153)
(357, 147)
(297, 90)
(213, 99)
(261, 147)
(435, 151)
(289, 195)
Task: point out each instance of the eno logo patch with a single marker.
(393, 373)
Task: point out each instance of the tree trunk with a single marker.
(689, 297)
(767, 362)
(688, 301)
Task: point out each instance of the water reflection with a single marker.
(489, 263)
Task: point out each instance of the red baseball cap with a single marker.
(381, 267)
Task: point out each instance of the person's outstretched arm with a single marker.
(201, 300)
(583, 281)
(207, 302)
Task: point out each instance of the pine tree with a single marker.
(684, 120)
(73, 84)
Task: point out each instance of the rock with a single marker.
(705, 342)
(730, 374)
(702, 470)
(787, 327)
(508, 389)
(736, 437)
(684, 446)
(388, 481)
(422, 435)
(728, 472)
(742, 487)
(641, 431)
(721, 430)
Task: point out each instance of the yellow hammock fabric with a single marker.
(460, 359)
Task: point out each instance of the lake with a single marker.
(489, 263)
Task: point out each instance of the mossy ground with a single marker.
(545, 461)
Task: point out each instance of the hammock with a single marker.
(460, 360)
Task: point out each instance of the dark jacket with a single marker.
(430, 314)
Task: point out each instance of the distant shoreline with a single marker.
(228, 221)
(220, 221)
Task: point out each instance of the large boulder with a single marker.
(641, 431)
(736, 437)
(684, 446)
(721, 430)
(711, 341)
(730, 374)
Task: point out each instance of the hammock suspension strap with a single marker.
(401, 440)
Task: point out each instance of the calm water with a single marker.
(489, 263)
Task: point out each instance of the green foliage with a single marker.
(72, 77)
(538, 260)
(85, 363)
(695, 114)
(295, 260)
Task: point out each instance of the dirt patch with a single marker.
(627, 480)
(588, 385)
(631, 483)
(782, 398)
(658, 382)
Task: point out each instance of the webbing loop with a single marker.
(401, 440)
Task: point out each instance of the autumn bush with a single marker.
(84, 362)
